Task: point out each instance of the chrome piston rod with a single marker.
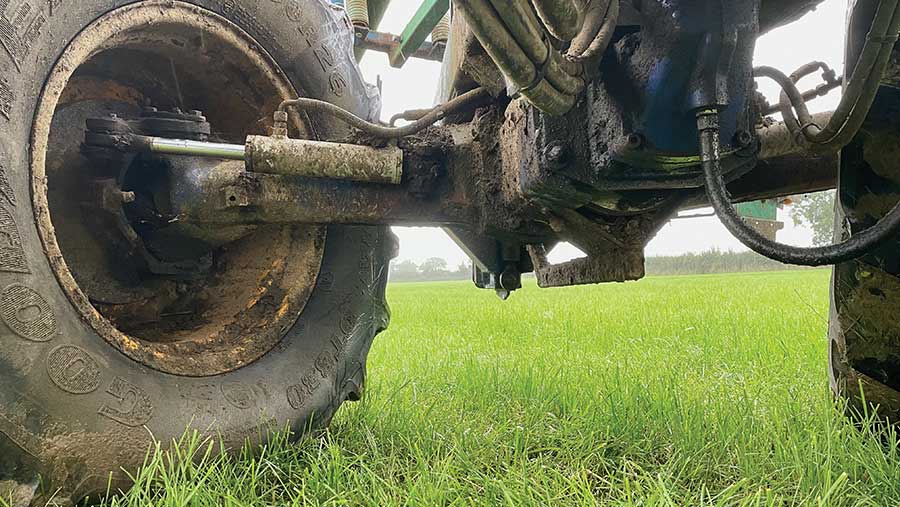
(164, 146)
(297, 157)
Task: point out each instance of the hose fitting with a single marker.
(855, 246)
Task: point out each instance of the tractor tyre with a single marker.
(864, 322)
(101, 359)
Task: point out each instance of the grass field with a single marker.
(696, 390)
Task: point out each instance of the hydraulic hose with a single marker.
(859, 92)
(527, 76)
(514, 33)
(434, 115)
(831, 81)
(594, 16)
(853, 247)
(600, 24)
(604, 36)
(562, 18)
(526, 30)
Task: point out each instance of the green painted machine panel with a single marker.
(766, 209)
(417, 30)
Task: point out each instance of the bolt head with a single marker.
(634, 140)
(743, 138)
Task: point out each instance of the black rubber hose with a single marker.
(855, 246)
(792, 100)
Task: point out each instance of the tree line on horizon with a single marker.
(708, 262)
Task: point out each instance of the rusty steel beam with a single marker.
(225, 193)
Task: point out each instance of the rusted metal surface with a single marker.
(775, 13)
(784, 176)
(490, 177)
(318, 159)
(168, 326)
(227, 194)
(617, 266)
(614, 247)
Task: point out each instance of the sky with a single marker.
(415, 86)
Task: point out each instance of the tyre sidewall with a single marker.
(75, 428)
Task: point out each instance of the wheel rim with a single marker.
(256, 286)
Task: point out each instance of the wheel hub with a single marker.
(147, 285)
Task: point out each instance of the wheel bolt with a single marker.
(634, 140)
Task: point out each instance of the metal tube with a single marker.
(165, 146)
(319, 159)
(298, 157)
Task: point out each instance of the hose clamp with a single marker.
(540, 71)
(800, 135)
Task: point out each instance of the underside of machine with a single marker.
(590, 139)
(194, 195)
